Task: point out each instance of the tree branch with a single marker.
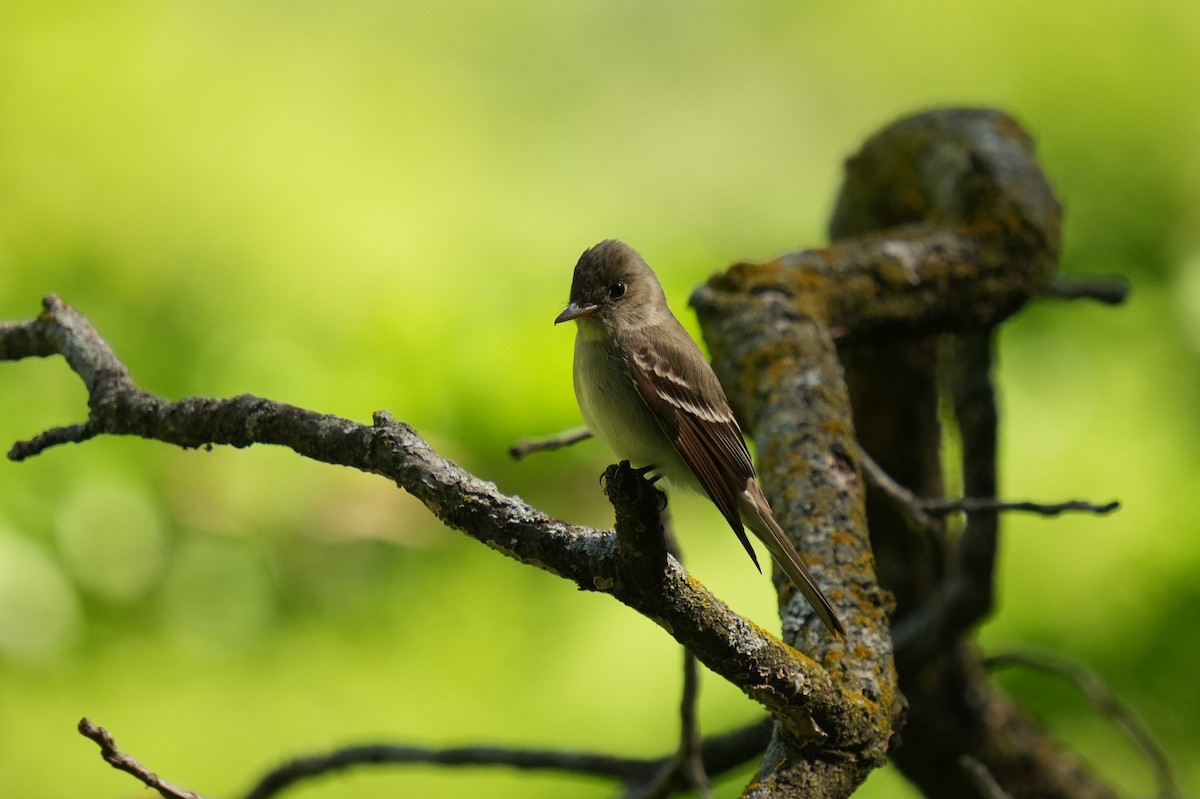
(799, 692)
(522, 449)
(795, 404)
(952, 198)
(967, 593)
(1107, 703)
(626, 770)
(123, 762)
(982, 779)
(1106, 290)
(686, 768)
(969, 505)
(921, 513)
(720, 754)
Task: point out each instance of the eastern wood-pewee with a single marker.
(648, 393)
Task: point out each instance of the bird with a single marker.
(651, 397)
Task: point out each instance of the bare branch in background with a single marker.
(1107, 703)
(1106, 290)
(522, 449)
(982, 779)
(921, 512)
(123, 762)
(969, 505)
(720, 754)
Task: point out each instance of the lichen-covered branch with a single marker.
(800, 693)
(945, 224)
(789, 389)
(901, 180)
(945, 219)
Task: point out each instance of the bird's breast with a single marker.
(615, 412)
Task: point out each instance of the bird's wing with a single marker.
(699, 421)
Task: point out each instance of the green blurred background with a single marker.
(363, 205)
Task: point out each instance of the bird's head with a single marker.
(614, 287)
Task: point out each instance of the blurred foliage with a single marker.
(362, 205)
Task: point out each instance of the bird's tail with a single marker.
(756, 513)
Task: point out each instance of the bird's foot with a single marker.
(632, 481)
(645, 470)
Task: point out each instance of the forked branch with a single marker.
(797, 691)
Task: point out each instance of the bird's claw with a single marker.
(645, 470)
(639, 472)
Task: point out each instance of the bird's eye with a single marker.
(616, 291)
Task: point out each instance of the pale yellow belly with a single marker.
(615, 413)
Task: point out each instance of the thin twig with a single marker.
(906, 502)
(685, 769)
(981, 778)
(1108, 290)
(942, 507)
(722, 753)
(564, 439)
(690, 751)
(921, 511)
(123, 762)
(973, 393)
(967, 594)
(310, 766)
(1106, 703)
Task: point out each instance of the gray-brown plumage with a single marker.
(646, 391)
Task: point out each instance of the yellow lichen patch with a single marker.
(836, 427)
(792, 652)
(843, 537)
(764, 271)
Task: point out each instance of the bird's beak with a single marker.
(576, 310)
